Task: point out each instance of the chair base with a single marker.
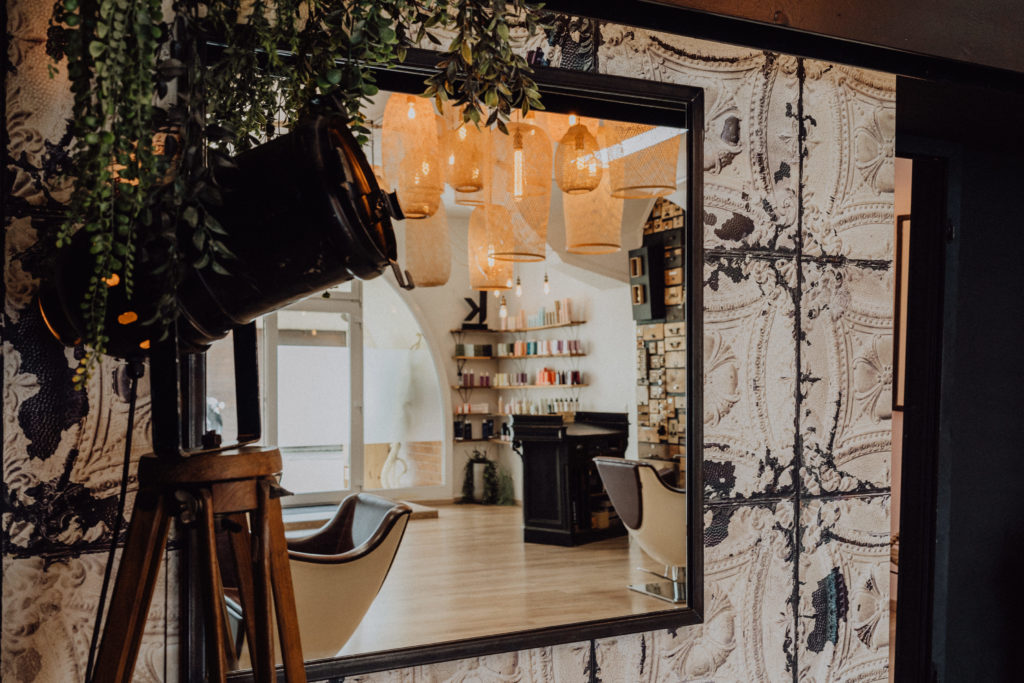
(669, 591)
(671, 588)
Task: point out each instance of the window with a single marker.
(351, 396)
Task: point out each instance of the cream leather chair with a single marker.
(337, 572)
(655, 516)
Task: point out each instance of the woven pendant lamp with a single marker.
(523, 166)
(557, 125)
(465, 153)
(428, 249)
(481, 196)
(577, 166)
(593, 221)
(411, 151)
(642, 160)
(487, 273)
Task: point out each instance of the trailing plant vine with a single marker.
(228, 74)
(112, 46)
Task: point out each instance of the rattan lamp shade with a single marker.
(428, 249)
(522, 176)
(482, 195)
(465, 154)
(641, 170)
(486, 223)
(412, 157)
(577, 166)
(593, 221)
(557, 125)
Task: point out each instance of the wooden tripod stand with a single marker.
(232, 484)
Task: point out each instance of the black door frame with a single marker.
(934, 195)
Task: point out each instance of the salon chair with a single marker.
(337, 572)
(654, 513)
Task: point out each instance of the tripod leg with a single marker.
(263, 652)
(133, 589)
(241, 546)
(284, 595)
(213, 592)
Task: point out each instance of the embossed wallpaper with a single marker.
(798, 380)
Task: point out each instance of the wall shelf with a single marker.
(573, 323)
(500, 336)
(488, 330)
(521, 386)
(541, 355)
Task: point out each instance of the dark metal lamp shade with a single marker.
(303, 213)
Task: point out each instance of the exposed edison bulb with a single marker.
(573, 120)
(547, 285)
(502, 309)
(519, 287)
(518, 169)
(508, 283)
(451, 159)
(497, 293)
(412, 109)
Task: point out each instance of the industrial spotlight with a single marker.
(302, 213)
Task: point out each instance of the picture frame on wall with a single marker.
(901, 281)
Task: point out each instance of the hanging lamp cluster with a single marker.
(507, 180)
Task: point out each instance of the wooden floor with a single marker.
(468, 573)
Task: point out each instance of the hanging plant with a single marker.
(221, 77)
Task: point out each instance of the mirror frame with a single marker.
(589, 94)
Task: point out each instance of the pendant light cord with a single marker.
(136, 368)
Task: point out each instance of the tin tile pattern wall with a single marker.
(798, 379)
(62, 448)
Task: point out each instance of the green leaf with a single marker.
(191, 216)
(467, 53)
(333, 76)
(96, 48)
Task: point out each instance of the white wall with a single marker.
(608, 336)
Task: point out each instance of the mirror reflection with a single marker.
(504, 447)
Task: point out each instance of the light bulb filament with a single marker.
(518, 170)
(517, 182)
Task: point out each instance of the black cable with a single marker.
(136, 368)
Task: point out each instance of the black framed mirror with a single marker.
(664, 241)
